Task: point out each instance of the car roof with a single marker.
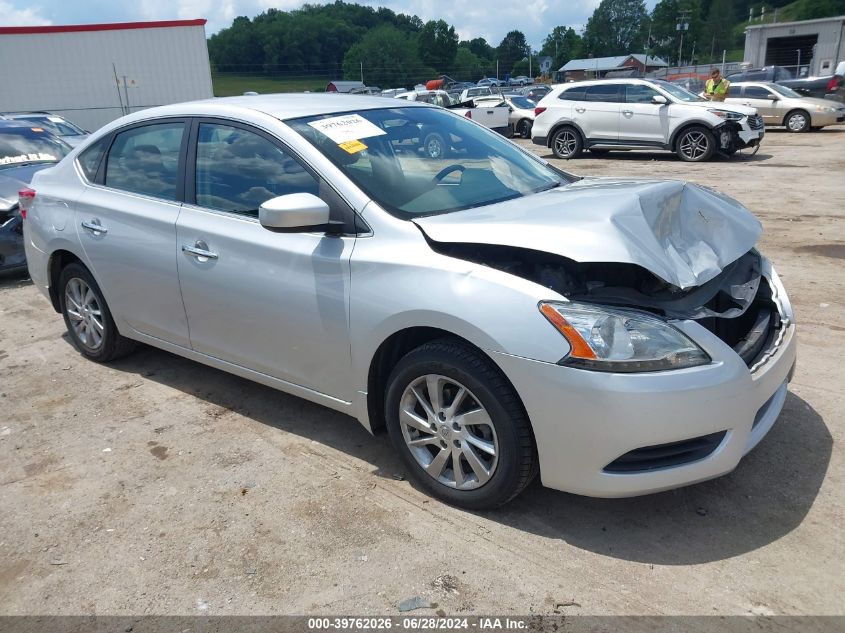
(280, 106)
(620, 80)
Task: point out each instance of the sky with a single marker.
(490, 19)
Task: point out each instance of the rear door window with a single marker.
(89, 160)
(608, 93)
(572, 94)
(145, 160)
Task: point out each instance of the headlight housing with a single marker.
(619, 340)
(726, 114)
(820, 108)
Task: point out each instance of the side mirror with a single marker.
(294, 212)
(659, 99)
(772, 97)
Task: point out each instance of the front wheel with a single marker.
(567, 143)
(459, 426)
(88, 318)
(797, 121)
(696, 144)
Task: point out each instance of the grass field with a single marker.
(226, 85)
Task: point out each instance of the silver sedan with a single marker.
(499, 317)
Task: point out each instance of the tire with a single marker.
(567, 143)
(501, 424)
(695, 144)
(87, 317)
(523, 128)
(797, 121)
(435, 146)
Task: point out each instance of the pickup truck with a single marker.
(493, 116)
(827, 87)
(433, 142)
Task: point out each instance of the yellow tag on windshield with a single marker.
(352, 147)
(37, 129)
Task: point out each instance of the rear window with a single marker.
(575, 93)
(27, 145)
(89, 160)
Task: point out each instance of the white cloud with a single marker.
(11, 16)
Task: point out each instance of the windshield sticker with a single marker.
(349, 127)
(55, 119)
(352, 147)
(26, 158)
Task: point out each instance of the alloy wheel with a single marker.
(85, 313)
(448, 432)
(694, 145)
(566, 143)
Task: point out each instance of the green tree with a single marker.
(437, 44)
(616, 28)
(387, 59)
(478, 46)
(511, 49)
(469, 66)
(719, 25)
(562, 45)
(665, 36)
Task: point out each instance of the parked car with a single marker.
(825, 87)
(520, 80)
(24, 151)
(536, 92)
(779, 105)
(472, 93)
(366, 90)
(392, 92)
(59, 126)
(521, 110)
(436, 143)
(624, 114)
(500, 317)
(490, 82)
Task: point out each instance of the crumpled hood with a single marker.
(683, 233)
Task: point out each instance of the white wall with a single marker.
(71, 73)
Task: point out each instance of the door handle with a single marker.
(627, 112)
(200, 251)
(580, 110)
(95, 227)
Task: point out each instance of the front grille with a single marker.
(666, 455)
(755, 122)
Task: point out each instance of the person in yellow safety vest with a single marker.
(716, 88)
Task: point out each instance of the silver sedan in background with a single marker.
(779, 105)
(501, 318)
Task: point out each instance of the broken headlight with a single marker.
(726, 114)
(618, 340)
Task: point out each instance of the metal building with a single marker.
(94, 73)
(811, 47)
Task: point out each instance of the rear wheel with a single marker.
(696, 144)
(797, 121)
(567, 143)
(435, 146)
(523, 128)
(87, 317)
(459, 426)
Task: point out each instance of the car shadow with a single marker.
(14, 278)
(764, 499)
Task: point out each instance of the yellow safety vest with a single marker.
(717, 90)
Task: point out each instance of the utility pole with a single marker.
(362, 72)
(682, 26)
(529, 61)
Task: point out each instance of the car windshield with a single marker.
(784, 91)
(523, 102)
(25, 145)
(56, 125)
(418, 161)
(681, 94)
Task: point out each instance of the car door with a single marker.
(765, 101)
(641, 119)
(270, 301)
(126, 223)
(598, 115)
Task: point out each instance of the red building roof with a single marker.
(78, 28)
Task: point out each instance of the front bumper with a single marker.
(583, 421)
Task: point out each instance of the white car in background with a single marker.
(625, 114)
(521, 110)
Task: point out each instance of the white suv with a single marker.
(641, 114)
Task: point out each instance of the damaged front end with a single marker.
(739, 305)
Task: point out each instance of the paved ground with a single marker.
(156, 485)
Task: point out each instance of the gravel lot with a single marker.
(159, 486)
